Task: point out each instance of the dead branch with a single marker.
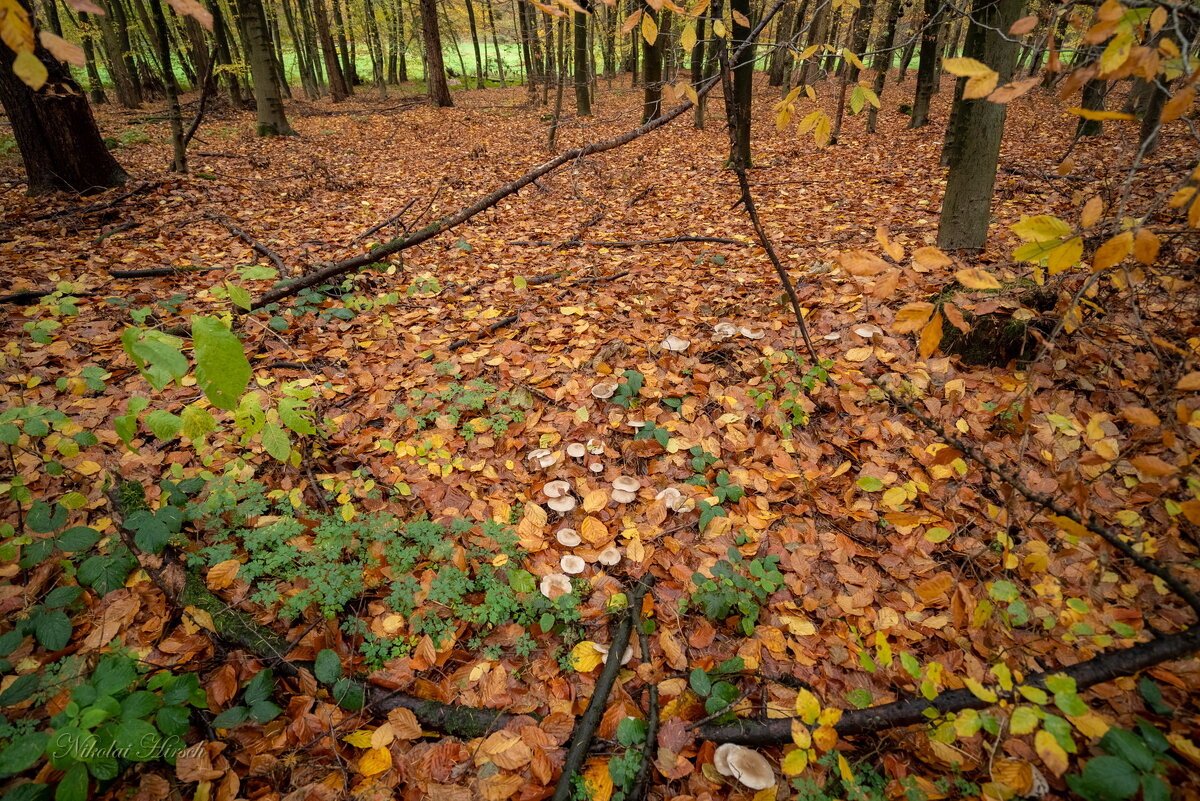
(585, 728)
(911, 711)
(259, 247)
(627, 243)
(332, 269)
(395, 217)
(206, 89)
(51, 215)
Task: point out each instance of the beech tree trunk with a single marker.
(479, 71)
(174, 113)
(966, 207)
(583, 97)
(435, 74)
(268, 101)
(337, 81)
(743, 87)
(651, 69)
(56, 133)
(927, 76)
(114, 30)
(884, 59)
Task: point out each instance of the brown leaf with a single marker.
(861, 263)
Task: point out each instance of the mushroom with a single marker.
(562, 505)
(748, 767)
(604, 649)
(868, 330)
(625, 489)
(609, 556)
(572, 564)
(556, 489)
(725, 330)
(675, 344)
(751, 333)
(604, 390)
(832, 336)
(596, 467)
(595, 447)
(568, 537)
(543, 456)
(576, 450)
(672, 497)
(554, 585)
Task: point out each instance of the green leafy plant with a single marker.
(736, 587)
(628, 390)
(114, 717)
(719, 695)
(256, 704)
(1135, 761)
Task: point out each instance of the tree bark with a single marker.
(268, 102)
(55, 131)
(479, 71)
(743, 87)
(652, 65)
(115, 36)
(435, 77)
(337, 81)
(583, 97)
(495, 43)
(174, 113)
(927, 76)
(349, 73)
(884, 59)
(966, 207)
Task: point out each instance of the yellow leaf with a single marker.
(985, 694)
(931, 336)
(931, 258)
(360, 738)
(1189, 383)
(977, 278)
(377, 760)
(1091, 212)
(1174, 108)
(980, 87)
(1117, 52)
(1052, 754)
(825, 738)
(853, 59)
(649, 29)
(200, 618)
(1041, 228)
(1091, 114)
(801, 736)
(1146, 246)
(1065, 256)
(808, 708)
(912, 317)
(1113, 252)
(222, 574)
(584, 657)
(794, 762)
(598, 780)
(688, 37)
(740, 19)
(894, 498)
(87, 468)
(1153, 466)
(861, 263)
(30, 69)
(1024, 720)
(967, 68)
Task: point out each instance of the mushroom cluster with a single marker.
(560, 498)
(748, 767)
(625, 489)
(727, 330)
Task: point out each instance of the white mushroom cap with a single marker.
(672, 497)
(543, 456)
(832, 335)
(675, 344)
(752, 333)
(626, 484)
(868, 330)
(725, 330)
(604, 649)
(748, 767)
(621, 496)
(568, 537)
(595, 447)
(572, 564)
(576, 450)
(596, 467)
(604, 390)
(557, 489)
(609, 556)
(554, 585)
(564, 504)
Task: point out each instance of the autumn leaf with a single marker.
(912, 317)
(1113, 252)
(861, 263)
(375, 761)
(931, 336)
(649, 29)
(1051, 753)
(1023, 26)
(977, 278)
(931, 258)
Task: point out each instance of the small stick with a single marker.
(249, 240)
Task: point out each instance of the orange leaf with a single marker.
(1153, 466)
(1189, 383)
(1145, 246)
(1113, 252)
(1023, 26)
(861, 263)
(931, 336)
(931, 258)
(1174, 108)
(912, 317)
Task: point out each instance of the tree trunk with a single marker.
(783, 37)
(583, 99)
(55, 131)
(974, 47)
(174, 113)
(95, 85)
(884, 59)
(349, 73)
(1152, 118)
(651, 69)
(435, 75)
(857, 35)
(268, 102)
(907, 56)
(337, 81)
(495, 42)
(743, 87)
(710, 61)
(114, 29)
(375, 46)
(927, 76)
(224, 55)
(521, 20)
(560, 61)
(816, 30)
(966, 207)
(479, 72)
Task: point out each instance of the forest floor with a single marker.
(845, 489)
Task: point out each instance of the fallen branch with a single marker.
(641, 784)
(491, 329)
(628, 243)
(142, 187)
(911, 711)
(585, 728)
(331, 269)
(116, 229)
(383, 224)
(157, 272)
(249, 240)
